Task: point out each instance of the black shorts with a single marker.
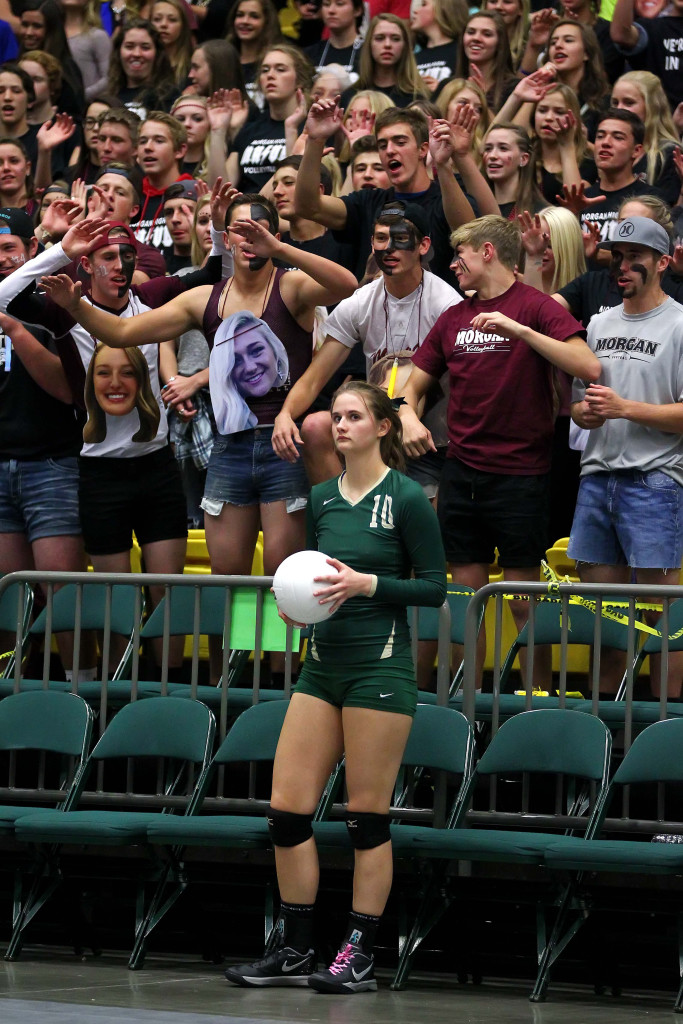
(119, 496)
(479, 512)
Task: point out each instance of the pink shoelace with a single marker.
(342, 959)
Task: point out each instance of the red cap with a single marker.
(124, 234)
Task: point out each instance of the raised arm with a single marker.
(622, 30)
(157, 325)
(320, 283)
(324, 119)
(461, 132)
(455, 204)
(571, 354)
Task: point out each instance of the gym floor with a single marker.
(54, 986)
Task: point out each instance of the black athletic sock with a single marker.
(361, 931)
(296, 925)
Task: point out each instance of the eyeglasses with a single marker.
(90, 122)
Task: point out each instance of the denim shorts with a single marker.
(628, 518)
(244, 470)
(39, 497)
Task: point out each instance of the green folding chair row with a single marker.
(653, 760)
(179, 735)
(16, 605)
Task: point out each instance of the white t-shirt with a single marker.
(386, 325)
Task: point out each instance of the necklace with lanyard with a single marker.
(357, 43)
(265, 297)
(417, 301)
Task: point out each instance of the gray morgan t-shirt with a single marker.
(641, 356)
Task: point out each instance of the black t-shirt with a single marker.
(662, 54)
(605, 213)
(437, 61)
(362, 208)
(174, 263)
(551, 184)
(142, 99)
(614, 60)
(259, 144)
(323, 53)
(596, 291)
(667, 182)
(33, 424)
(327, 245)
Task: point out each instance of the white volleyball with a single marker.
(294, 586)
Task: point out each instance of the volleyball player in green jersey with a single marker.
(357, 691)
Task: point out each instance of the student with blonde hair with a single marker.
(641, 92)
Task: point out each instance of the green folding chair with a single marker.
(15, 612)
(655, 758)
(178, 735)
(532, 746)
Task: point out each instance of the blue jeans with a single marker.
(39, 497)
(628, 518)
(244, 470)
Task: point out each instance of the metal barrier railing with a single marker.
(624, 716)
(230, 621)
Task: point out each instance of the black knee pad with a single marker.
(367, 830)
(288, 829)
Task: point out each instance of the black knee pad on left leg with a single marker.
(367, 830)
(287, 829)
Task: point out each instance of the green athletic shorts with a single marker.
(386, 685)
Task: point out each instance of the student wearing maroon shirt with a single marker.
(499, 347)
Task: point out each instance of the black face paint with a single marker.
(638, 268)
(260, 212)
(402, 236)
(128, 258)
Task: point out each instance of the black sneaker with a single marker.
(284, 966)
(352, 971)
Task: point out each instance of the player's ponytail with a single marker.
(381, 407)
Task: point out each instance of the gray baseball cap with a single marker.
(640, 231)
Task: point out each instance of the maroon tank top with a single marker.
(297, 342)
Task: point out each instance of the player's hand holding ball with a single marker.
(300, 599)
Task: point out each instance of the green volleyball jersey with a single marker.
(391, 532)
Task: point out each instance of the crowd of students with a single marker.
(213, 215)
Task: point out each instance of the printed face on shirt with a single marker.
(277, 78)
(256, 369)
(156, 153)
(115, 382)
(111, 271)
(400, 155)
(13, 99)
(326, 87)
(615, 147)
(122, 203)
(367, 171)
(387, 44)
